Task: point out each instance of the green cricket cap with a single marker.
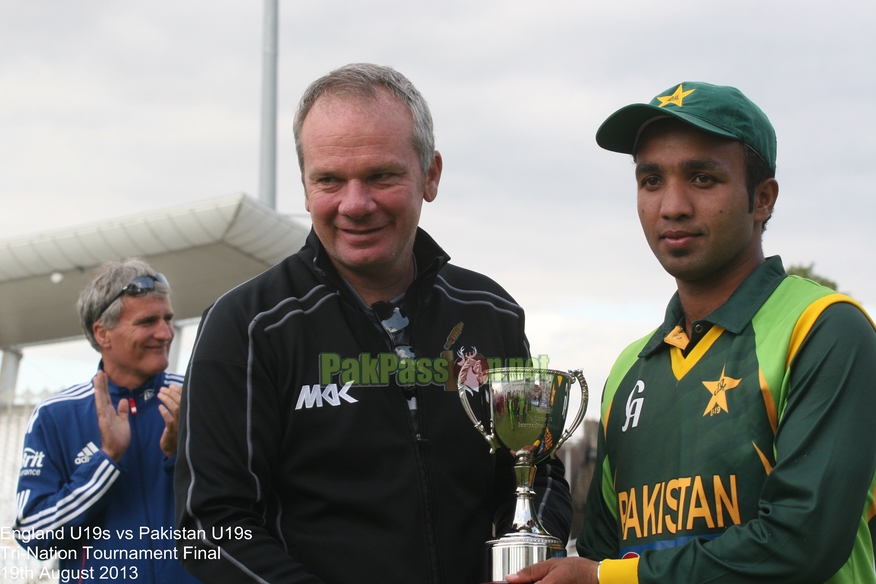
(716, 109)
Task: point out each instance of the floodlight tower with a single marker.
(268, 150)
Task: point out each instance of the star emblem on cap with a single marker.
(676, 98)
(718, 389)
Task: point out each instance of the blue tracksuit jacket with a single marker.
(102, 520)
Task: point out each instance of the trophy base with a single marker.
(513, 552)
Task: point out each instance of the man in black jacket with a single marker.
(318, 440)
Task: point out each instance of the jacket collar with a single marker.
(429, 257)
(155, 382)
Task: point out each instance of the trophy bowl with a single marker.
(527, 408)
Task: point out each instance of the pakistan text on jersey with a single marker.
(678, 505)
(368, 370)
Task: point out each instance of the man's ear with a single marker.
(101, 335)
(433, 177)
(765, 196)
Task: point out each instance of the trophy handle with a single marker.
(582, 408)
(479, 426)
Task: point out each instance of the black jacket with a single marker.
(337, 483)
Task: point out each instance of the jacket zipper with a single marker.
(419, 446)
(139, 464)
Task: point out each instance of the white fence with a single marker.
(15, 564)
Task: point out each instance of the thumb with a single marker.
(532, 573)
(123, 409)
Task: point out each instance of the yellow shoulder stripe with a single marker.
(810, 315)
(605, 419)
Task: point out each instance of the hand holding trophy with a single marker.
(527, 413)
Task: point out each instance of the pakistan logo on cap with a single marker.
(676, 98)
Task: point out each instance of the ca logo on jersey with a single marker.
(634, 406)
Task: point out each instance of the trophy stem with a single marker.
(527, 542)
(525, 520)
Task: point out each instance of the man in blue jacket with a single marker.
(95, 490)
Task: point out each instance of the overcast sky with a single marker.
(110, 108)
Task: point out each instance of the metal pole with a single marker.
(9, 373)
(173, 363)
(268, 153)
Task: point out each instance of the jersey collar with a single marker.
(735, 314)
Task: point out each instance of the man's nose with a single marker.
(357, 200)
(676, 200)
(165, 331)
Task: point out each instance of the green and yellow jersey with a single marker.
(745, 453)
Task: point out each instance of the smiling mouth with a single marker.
(360, 232)
(677, 239)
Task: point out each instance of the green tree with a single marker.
(809, 272)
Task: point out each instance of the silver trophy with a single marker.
(527, 415)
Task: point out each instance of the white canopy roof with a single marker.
(204, 249)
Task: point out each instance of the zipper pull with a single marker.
(133, 405)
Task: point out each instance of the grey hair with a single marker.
(106, 282)
(364, 80)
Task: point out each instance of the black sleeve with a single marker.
(553, 498)
(224, 463)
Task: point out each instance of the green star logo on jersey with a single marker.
(676, 98)
(719, 389)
